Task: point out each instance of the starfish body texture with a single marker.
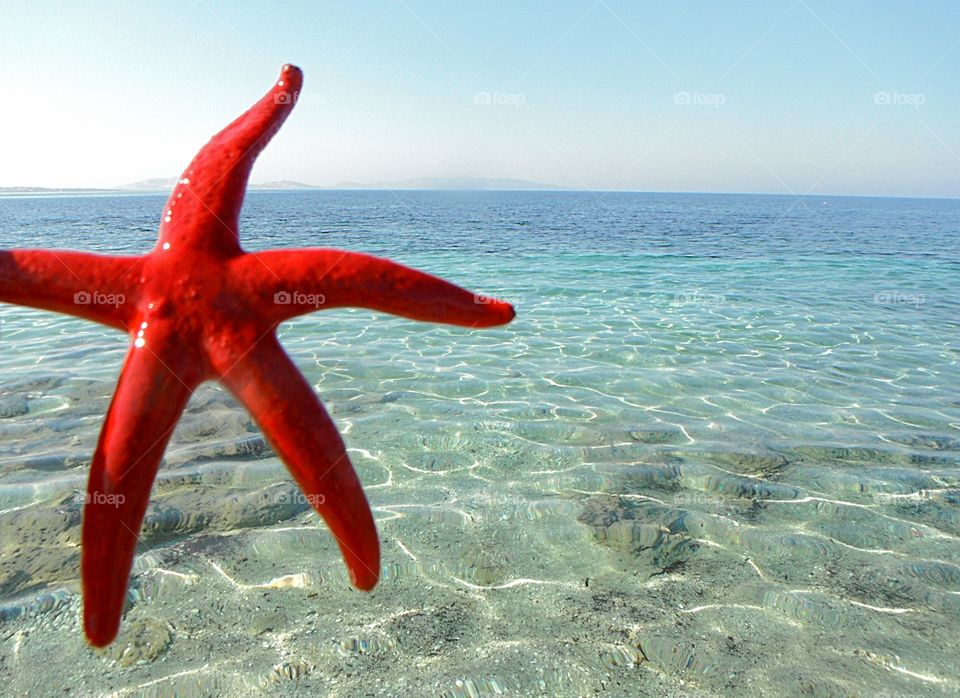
(197, 308)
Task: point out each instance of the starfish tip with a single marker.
(365, 580)
(291, 72)
(499, 313)
(100, 634)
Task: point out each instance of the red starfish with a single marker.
(199, 308)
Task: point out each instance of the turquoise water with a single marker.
(717, 453)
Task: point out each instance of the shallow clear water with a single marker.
(717, 453)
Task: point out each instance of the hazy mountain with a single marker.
(473, 183)
(50, 190)
(166, 184)
(155, 184)
(284, 184)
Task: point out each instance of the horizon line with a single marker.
(27, 191)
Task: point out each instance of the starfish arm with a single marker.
(287, 283)
(154, 387)
(304, 436)
(204, 208)
(94, 287)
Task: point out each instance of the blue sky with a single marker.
(788, 96)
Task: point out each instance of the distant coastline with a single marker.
(165, 186)
(55, 190)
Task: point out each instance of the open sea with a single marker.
(716, 454)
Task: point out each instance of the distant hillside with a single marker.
(155, 184)
(284, 184)
(51, 190)
(471, 183)
(168, 183)
(444, 183)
